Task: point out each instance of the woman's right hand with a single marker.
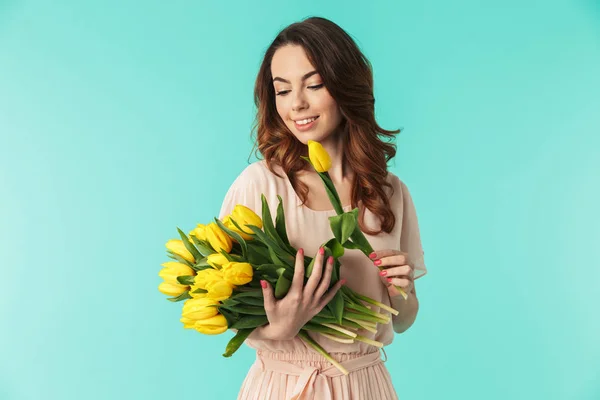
(289, 314)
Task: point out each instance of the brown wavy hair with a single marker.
(348, 76)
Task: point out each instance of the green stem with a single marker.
(364, 339)
(338, 339)
(378, 304)
(363, 324)
(367, 311)
(340, 329)
(363, 317)
(308, 340)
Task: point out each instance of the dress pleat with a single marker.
(309, 376)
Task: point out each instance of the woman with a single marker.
(315, 84)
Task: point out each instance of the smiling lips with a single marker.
(305, 124)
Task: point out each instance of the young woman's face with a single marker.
(301, 96)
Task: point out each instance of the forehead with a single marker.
(290, 62)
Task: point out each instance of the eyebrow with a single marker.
(304, 77)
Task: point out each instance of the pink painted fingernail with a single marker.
(321, 251)
(330, 260)
(372, 255)
(343, 281)
(301, 251)
(383, 273)
(263, 284)
(389, 279)
(377, 262)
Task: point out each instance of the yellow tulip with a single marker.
(217, 238)
(212, 326)
(318, 156)
(198, 309)
(187, 323)
(216, 260)
(229, 225)
(176, 246)
(237, 273)
(243, 216)
(172, 270)
(211, 280)
(207, 276)
(199, 231)
(171, 289)
(219, 290)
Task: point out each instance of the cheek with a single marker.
(327, 103)
(281, 110)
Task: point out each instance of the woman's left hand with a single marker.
(395, 270)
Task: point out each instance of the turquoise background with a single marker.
(122, 120)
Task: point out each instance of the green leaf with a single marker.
(280, 226)
(189, 246)
(229, 317)
(361, 241)
(203, 247)
(258, 254)
(251, 301)
(182, 296)
(237, 341)
(336, 306)
(257, 294)
(200, 291)
(283, 284)
(246, 310)
(351, 246)
(270, 268)
(202, 268)
(343, 226)
(250, 321)
(274, 257)
(234, 235)
(200, 264)
(283, 255)
(337, 250)
(179, 258)
(228, 256)
(229, 302)
(308, 270)
(186, 279)
(268, 226)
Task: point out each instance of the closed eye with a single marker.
(314, 87)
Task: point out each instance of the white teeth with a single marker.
(305, 121)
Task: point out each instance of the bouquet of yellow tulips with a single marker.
(217, 270)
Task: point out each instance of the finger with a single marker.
(298, 279)
(376, 255)
(392, 260)
(268, 295)
(317, 272)
(330, 293)
(396, 271)
(401, 282)
(324, 285)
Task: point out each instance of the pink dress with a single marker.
(290, 370)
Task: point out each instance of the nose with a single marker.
(299, 101)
